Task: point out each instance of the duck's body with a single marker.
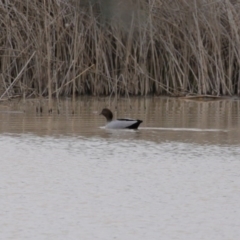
(123, 123)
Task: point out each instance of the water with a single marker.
(64, 176)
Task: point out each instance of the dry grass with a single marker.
(127, 47)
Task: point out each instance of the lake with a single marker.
(64, 176)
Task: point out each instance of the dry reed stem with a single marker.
(18, 76)
(137, 47)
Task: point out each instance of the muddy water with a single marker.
(63, 176)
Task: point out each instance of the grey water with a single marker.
(64, 176)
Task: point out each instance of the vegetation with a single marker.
(128, 47)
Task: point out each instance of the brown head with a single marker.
(107, 114)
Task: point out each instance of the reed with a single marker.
(122, 47)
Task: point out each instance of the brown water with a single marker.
(164, 119)
(64, 176)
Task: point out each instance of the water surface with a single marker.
(63, 176)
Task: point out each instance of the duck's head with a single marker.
(107, 114)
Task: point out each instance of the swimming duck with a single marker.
(122, 123)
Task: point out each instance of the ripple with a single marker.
(184, 129)
(133, 189)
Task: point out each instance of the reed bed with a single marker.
(119, 47)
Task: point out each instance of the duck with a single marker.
(123, 123)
